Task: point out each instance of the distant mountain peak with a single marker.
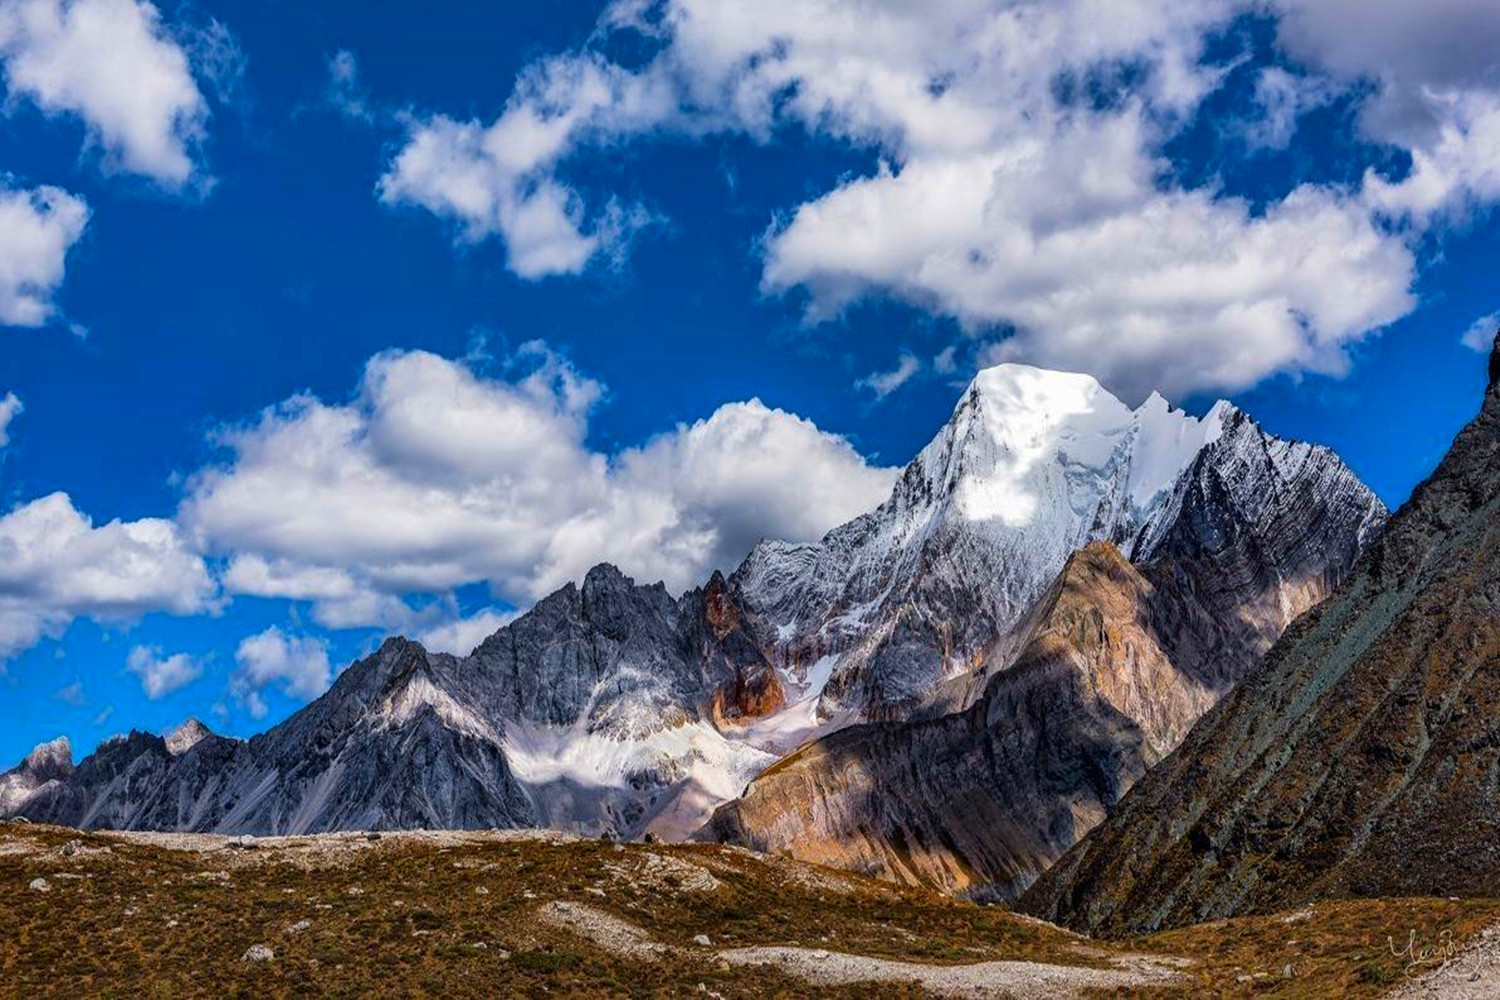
(48, 762)
(1018, 424)
(186, 736)
(53, 759)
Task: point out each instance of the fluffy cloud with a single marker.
(37, 229)
(435, 476)
(719, 485)
(1436, 92)
(1048, 217)
(1024, 188)
(55, 566)
(10, 406)
(497, 179)
(159, 675)
(297, 665)
(882, 384)
(113, 64)
(462, 635)
(1480, 336)
(1177, 291)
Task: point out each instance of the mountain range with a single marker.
(950, 689)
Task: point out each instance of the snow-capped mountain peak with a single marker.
(186, 736)
(1022, 426)
(1032, 466)
(615, 706)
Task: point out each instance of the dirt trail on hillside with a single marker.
(822, 967)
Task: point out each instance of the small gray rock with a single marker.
(258, 953)
(40, 885)
(703, 939)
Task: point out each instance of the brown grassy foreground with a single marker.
(468, 915)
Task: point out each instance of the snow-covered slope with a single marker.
(615, 706)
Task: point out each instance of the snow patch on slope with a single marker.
(797, 721)
(1034, 421)
(420, 693)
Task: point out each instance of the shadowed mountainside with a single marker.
(1360, 760)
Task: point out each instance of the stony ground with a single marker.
(504, 914)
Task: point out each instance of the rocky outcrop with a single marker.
(1360, 759)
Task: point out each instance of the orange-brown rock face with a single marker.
(749, 696)
(754, 689)
(1359, 759)
(1115, 665)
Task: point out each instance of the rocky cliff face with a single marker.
(1359, 759)
(612, 706)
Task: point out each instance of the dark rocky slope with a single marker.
(1361, 759)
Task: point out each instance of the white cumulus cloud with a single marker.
(296, 665)
(160, 675)
(498, 179)
(56, 566)
(436, 476)
(115, 65)
(37, 229)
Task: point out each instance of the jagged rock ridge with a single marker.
(1360, 759)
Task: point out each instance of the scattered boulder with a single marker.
(40, 885)
(704, 940)
(258, 953)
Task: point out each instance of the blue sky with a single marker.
(357, 322)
